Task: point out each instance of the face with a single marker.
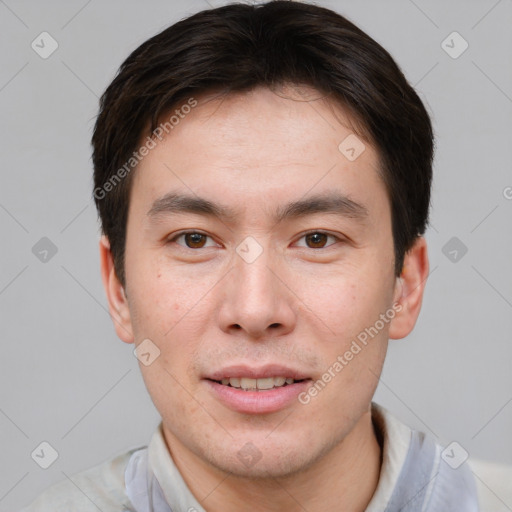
(257, 251)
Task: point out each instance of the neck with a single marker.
(343, 479)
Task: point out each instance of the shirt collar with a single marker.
(395, 440)
(176, 491)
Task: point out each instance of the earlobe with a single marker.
(116, 296)
(409, 288)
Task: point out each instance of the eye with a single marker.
(318, 239)
(193, 240)
(198, 240)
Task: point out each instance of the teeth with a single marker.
(265, 383)
(249, 384)
(246, 383)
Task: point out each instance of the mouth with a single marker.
(263, 384)
(261, 390)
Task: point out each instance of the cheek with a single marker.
(168, 297)
(171, 397)
(344, 304)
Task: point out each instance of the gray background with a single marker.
(67, 379)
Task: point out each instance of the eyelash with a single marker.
(183, 233)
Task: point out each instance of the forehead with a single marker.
(258, 146)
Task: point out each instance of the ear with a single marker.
(409, 289)
(117, 300)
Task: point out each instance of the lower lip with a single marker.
(258, 402)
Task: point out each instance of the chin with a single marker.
(271, 460)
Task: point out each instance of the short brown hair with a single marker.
(238, 47)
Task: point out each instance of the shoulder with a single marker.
(494, 485)
(101, 487)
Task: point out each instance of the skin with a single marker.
(300, 303)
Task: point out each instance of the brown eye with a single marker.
(195, 240)
(316, 240)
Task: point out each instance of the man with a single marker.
(262, 175)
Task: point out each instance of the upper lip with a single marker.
(257, 372)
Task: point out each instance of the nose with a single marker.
(257, 299)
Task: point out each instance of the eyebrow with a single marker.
(332, 203)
